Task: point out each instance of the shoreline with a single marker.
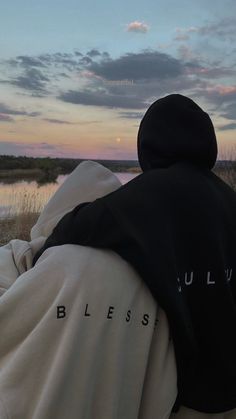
(37, 174)
(6, 173)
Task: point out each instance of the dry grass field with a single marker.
(18, 225)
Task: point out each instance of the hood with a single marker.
(175, 129)
(88, 181)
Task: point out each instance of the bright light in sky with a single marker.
(76, 78)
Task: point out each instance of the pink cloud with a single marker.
(5, 118)
(182, 34)
(222, 90)
(88, 75)
(209, 72)
(137, 26)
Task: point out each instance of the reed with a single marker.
(23, 212)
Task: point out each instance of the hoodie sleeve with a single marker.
(107, 222)
(88, 224)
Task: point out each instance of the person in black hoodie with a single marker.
(175, 224)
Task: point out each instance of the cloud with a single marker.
(93, 53)
(224, 29)
(130, 71)
(208, 72)
(214, 73)
(85, 60)
(6, 118)
(137, 96)
(57, 121)
(147, 64)
(78, 53)
(130, 82)
(220, 94)
(106, 55)
(97, 98)
(131, 115)
(66, 60)
(36, 74)
(4, 109)
(182, 34)
(181, 37)
(32, 79)
(64, 75)
(133, 81)
(185, 53)
(230, 110)
(27, 61)
(223, 98)
(137, 26)
(61, 121)
(227, 127)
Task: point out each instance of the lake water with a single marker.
(29, 196)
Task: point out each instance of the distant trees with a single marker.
(59, 165)
(44, 163)
(47, 169)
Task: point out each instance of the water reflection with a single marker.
(30, 196)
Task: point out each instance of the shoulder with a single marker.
(97, 273)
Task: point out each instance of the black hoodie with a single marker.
(176, 224)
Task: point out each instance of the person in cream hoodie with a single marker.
(81, 335)
(77, 329)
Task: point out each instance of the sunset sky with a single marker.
(77, 77)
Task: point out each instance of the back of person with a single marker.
(202, 263)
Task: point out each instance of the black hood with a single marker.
(173, 129)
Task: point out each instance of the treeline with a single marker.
(47, 169)
(60, 165)
(66, 165)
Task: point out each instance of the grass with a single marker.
(17, 224)
(17, 227)
(29, 206)
(228, 174)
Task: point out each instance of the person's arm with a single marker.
(89, 224)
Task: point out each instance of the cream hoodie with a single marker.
(81, 335)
